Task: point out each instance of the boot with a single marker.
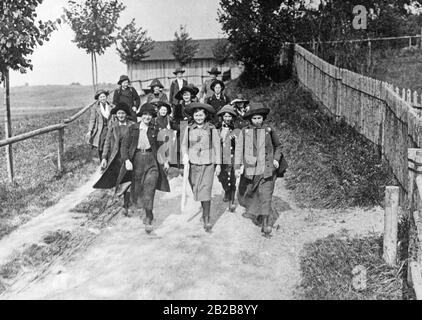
(206, 205)
(232, 206)
(226, 196)
(126, 203)
(148, 221)
(266, 229)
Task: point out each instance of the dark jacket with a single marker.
(128, 96)
(258, 157)
(174, 89)
(160, 97)
(128, 149)
(111, 153)
(217, 104)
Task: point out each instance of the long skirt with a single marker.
(256, 196)
(144, 180)
(201, 178)
(227, 177)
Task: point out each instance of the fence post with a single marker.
(390, 224)
(60, 149)
(8, 126)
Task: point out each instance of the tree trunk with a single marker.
(96, 71)
(8, 126)
(93, 72)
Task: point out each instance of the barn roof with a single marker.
(162, 50)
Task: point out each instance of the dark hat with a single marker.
(214, 70)
(99, 92)
(123, 78)
(121, 106)
(239, 99)
(192, 89)
(227, 109)
(147, 107)
(160, 104)
(217, 82)
(156, 83)
(198, 105)
(178, 69)
(256, 108)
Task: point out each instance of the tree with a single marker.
(256, 30)
(134, 44)
(94, 23)
(184, 48)
(20, 35)
(221, 51)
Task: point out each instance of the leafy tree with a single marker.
(94, 23)
(134, 44)
(184, 48)
(20, 35)
(256, 29)
(221, 51)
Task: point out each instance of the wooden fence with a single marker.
(60, 136)
(380, 112)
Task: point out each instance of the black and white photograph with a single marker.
(210, 154)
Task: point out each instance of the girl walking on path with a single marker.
(259, 153)
(139, 154)
(186, 96)
(111, 158)
(219, 98)
(201, 150)
(176, 85)
(206, 90)
(98, 121)
(225, 172)
(240, 105)
(156, 94)
(127, 94)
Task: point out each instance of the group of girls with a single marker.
(214, 142)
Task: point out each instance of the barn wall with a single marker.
(195, 72)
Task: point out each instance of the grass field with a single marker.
(38, 185)
(36, 100)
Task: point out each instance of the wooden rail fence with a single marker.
(384, 115)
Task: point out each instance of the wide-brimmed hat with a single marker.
(121, 106)
(147, 108)
(99, 92)
(192, 89)
(156, 83)
(198, 105)
(178, 70)
(227, 109)
(123, 78)
(214, 70)
(239, 99)
(160, 104)
(215, 82)
(257, 108)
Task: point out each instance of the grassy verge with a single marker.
(330, 165)
(38, 184)
(327, 270)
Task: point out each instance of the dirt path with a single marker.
(180, 261)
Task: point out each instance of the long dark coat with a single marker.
(257, 182)
(174, 89)
(128, 149)
(111, 153)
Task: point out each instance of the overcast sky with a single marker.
(59, 61)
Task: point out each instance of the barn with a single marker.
(161, 64)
